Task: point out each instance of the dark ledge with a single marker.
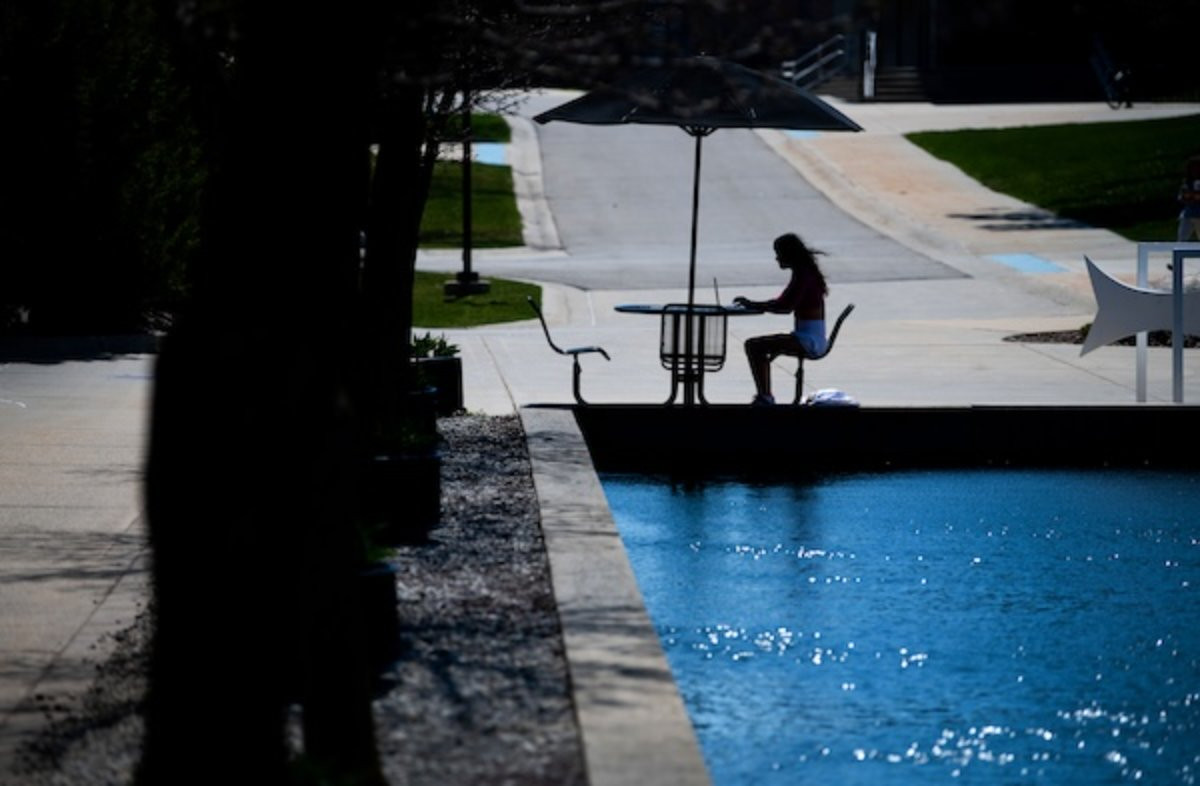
(722, 439)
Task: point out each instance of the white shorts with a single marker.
(810, 333)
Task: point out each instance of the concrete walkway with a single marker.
(941, 268)
(72, 572)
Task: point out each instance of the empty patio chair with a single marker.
(574, 352)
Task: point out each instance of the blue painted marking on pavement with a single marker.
(494, 153)
(1028, 263)
(803, 134)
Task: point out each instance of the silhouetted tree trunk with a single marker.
(253, 455)
(290, 362)
(399, 186)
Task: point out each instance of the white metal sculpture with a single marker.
(1124, 310)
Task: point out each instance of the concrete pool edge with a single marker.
(632, 721)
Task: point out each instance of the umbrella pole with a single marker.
(695, 216)
(691, 363)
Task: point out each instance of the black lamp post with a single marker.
(466, 281)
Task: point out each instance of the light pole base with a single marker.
(466, 284)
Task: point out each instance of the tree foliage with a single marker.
(102, 173)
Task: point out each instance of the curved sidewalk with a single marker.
(931, 206)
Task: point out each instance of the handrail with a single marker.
(798, 70)
(789, 66)
(802, 76)
(1114, 81)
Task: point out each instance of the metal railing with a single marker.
(1116, 81)
(819, 64)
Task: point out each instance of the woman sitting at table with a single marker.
(804, 297)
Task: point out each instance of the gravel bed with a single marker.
(480, 692)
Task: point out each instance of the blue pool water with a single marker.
(990, 627)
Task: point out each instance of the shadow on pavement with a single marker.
(1019, 220)
(59, 349)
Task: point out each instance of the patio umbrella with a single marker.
(700, 95)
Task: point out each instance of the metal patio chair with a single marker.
(574, 352)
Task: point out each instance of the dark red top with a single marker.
(803, 295)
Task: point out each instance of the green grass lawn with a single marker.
(484, 128)
(495, 221)
(1121, 176)
(504, 303)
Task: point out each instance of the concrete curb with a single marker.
(631, 718)
(525, 158)
(863, 204)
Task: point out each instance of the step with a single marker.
(900, 84)
(844, 87)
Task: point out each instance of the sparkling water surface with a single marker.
(991, 626)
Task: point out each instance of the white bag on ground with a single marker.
(831, 397)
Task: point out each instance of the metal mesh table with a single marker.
(688, 361)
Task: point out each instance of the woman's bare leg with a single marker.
(761, 350)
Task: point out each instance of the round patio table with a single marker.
(689, 348)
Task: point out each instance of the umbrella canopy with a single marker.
(701, 95)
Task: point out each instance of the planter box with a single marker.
(445, 375)
(403, 496)
(420, 415)
(378, 601)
